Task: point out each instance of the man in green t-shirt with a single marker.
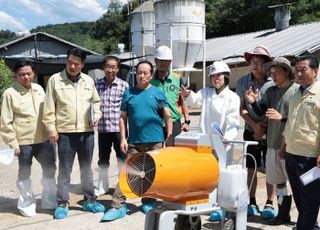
(170, 82)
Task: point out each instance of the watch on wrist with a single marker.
(187, 122)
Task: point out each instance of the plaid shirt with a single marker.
(111, 96)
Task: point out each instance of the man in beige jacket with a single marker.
(21, 128)
(71, 110)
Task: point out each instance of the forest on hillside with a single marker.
(223, 17)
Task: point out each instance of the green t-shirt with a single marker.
(170, 86)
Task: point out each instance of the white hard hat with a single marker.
(163, 53)
(219, 67)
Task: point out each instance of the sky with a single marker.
(24, 15)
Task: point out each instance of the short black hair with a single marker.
(22, 63)
(146, 62)
(226, 78)
(111, 57)
(78, 53)
(313, 61)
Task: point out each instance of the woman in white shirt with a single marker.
(219, 106)
(218, 103)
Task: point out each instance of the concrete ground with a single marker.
(11, 219)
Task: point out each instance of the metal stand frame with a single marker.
(164, 217)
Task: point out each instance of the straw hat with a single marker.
(259, 50)
(280, 61)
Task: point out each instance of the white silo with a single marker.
(142, 28)
(180, 24)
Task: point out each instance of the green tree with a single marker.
(6, 36)
(79, 33)
(113, 27)
(223, 17)
(227, 17)
(305, 11)
(5, 77)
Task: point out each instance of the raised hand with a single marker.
(251, 95)
(184, 91)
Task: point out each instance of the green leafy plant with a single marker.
(5, 77)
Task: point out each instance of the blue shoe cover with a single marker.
(253, 209)
(269, 212)
(94, 207)
(114, 214)
(215, 216)
(147, 207)
(61, 212)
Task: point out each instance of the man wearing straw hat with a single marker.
(255, 126)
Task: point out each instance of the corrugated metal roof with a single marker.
(47, 35)
(293, 41)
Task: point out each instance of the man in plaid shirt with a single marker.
(110, 89)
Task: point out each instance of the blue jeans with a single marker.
(69, 144)
(44, 153)
(306, 197)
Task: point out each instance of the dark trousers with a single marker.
(69, 144)
(255, 150)
(106, 140)
(44, 153)
(306, 197)
(176, 130)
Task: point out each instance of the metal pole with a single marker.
(171, 28)
(35, 47)
(204, 57)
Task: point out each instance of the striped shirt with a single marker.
(111, 97)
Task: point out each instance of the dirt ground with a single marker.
(11, 219)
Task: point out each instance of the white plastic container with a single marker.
(232, 183)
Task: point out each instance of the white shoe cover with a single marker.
(49, 193)
(26, 201)
(103, 182)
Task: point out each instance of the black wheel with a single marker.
(184, 222)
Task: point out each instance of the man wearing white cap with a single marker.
(170, 83)
(255, 126)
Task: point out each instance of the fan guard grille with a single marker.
(141, 173)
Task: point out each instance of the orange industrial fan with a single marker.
(175, 174)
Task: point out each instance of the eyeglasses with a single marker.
(111, 68)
